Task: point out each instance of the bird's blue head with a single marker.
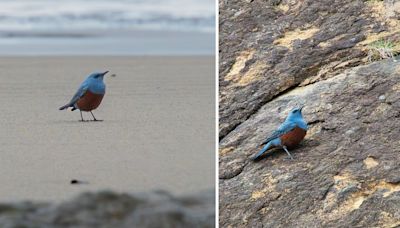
(296, 113)
(98, 76)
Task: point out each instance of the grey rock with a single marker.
(344, 175)
(108, 209)
(278, 54)
(273, 46)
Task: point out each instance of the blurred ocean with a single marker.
(107, 27)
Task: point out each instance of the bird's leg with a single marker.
(94, 118)
(285, 148)
(81, 116)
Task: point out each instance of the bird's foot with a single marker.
(289, 155)
(288, 158)
(97, 120)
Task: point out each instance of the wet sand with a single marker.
(157, 133)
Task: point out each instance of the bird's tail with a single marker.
(64, 107)
(261, 152)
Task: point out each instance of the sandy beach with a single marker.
(157, 133)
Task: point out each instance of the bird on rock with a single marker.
(289, 134)
(89, 95)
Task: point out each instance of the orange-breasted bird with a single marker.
(291, 132)
(89, 95)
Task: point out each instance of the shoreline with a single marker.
(79, 33)
(107, 42)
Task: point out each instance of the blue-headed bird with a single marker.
(89, 95)
(291, 132)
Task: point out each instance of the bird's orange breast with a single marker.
(293, 137)
(89, 101)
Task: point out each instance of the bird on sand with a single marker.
(290, 133)
(89, 95)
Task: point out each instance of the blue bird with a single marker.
(89, 95)
(289, 134)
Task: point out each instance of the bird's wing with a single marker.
(81, 91)
(283, 129)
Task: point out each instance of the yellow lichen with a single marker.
(396, 87)
(343, 180)
(224, 151)
(357, 202)
(353, 202)
(264, 210)
(390, 188)
(254, 71)
(349, 205)
(370, 162)
(283, 7)
(314, 130)
(290, 36)
(384, 11)
(270, 184)
(257, 194)
(252, 74)
(239, 64)
(377, 8)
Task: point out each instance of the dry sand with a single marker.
(157, 133)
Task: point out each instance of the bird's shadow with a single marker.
(276, 152)
(273, 153)
(84, 121)
(77, 121)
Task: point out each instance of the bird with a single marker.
(290, 133)
(89, 95)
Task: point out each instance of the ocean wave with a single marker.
(186, 15)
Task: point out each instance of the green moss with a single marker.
(382, 49)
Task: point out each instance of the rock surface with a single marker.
(346, 173)
(107, 209)
(269, 47)
(279, 54)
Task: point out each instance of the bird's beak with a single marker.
(301, 108)
(105, 73)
